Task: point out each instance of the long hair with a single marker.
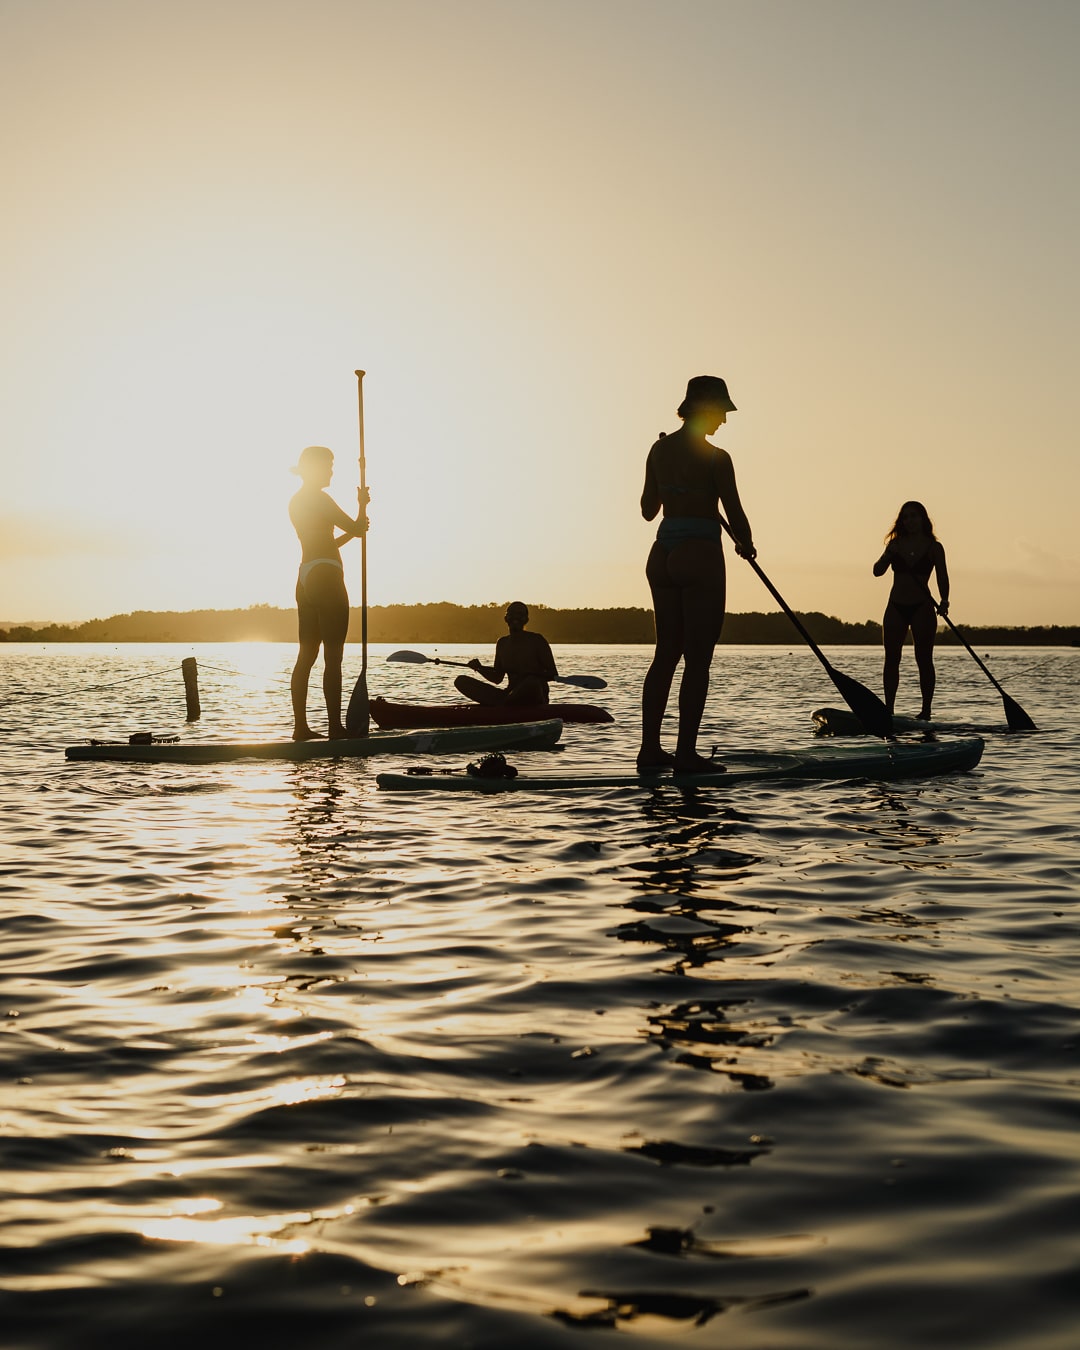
(897, 529)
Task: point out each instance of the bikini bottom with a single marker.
(678, 529)
(307, 568)
(907, 612)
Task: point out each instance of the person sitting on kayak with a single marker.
(913, 552)
(688, 477)
(322, 602)
(523, 659)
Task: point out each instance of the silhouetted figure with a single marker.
(523, 659)
(689, 478)
(913, 552)
(322, 601)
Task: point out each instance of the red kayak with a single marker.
(400, 716)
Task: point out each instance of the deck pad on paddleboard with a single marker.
(447, 740)
(892, 760)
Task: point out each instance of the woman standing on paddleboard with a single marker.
(913, 552)
(688, 478)
(322, 602)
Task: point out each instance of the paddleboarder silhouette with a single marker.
(322, 602)
(913, 552)
(687, 477)
(523, 659)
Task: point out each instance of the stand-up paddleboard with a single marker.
(449, 740)
(883, 761)
(843, 722)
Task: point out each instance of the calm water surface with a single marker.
(293, 1060)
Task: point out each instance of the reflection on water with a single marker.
(787, 1065)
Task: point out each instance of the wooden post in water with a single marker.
(190, 668)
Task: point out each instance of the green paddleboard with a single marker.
(885, 760)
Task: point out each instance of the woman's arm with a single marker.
(883, 563)
(942, 579)
(352, 528)
(650, 493)
(729, 496)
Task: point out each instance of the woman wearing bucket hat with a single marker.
(688, 478)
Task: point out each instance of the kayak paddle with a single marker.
(357, 721)
(866, 706)
(1016, 717)
(418, 658)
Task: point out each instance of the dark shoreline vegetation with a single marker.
(445, 623)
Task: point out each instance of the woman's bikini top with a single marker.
(920, 568)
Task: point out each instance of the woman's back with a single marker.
(686, 475)
(312, 514)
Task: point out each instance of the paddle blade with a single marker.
(416, 658)
(357, 720)
(866, 706)
(1016, 717)
(584, 681)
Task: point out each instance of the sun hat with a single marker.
(710, 389)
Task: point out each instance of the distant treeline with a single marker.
(446, 623)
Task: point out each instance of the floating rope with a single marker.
(64, 693)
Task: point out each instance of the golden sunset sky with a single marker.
(531, 221)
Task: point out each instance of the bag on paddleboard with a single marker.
(491, 766)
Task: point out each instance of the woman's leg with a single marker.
(698, 565)
(667, 610)
(305, 659)
(923, 629)
(333, 653)
(308, 636)
(325, 590)
(893, 631)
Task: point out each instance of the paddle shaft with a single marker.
(1015, 715)
(784, 605)
(357, 719)
(363, 537)
(865, 704)
(418, 658)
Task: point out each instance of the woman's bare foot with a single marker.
(699, 764)
(305, 734)
(338, 733)
(654, 759)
